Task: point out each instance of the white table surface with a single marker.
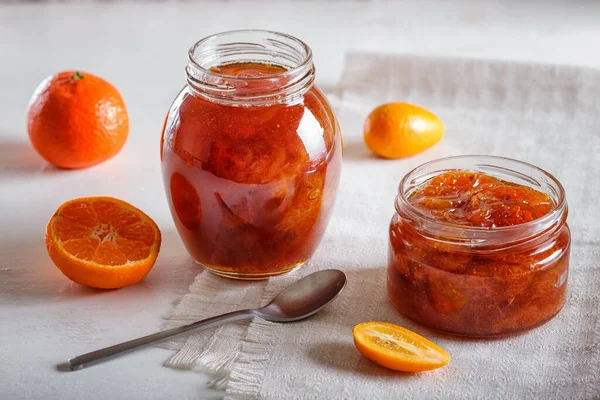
(141, 48)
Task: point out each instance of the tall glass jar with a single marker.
(479, 281)
(251, 155)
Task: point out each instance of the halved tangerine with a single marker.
(398, 348)
(102, 242)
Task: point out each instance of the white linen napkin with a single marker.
(546, 115)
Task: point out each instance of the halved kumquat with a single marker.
(102, 242)
(398, 348)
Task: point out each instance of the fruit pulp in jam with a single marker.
(251, 187)
(477, 199)
(484, 292)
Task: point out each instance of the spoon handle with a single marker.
(101, 355)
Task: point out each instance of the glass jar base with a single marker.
(250, 276)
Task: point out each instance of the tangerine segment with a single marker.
(397, 348)
(102, 242)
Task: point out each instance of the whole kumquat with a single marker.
(397, 130)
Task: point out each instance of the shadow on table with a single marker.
(19, 157)
(358, 150)
(344, 356)
(28, 275)
(339, 352)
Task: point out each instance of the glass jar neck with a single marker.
(287, 85)
(479, 237)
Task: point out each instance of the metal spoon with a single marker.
(300, 300)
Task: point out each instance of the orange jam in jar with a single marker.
(251, 155)
(479, 246)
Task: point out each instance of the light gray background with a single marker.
(141, 48)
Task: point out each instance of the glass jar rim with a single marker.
(495, 235)
(251, 46)
(307, 60)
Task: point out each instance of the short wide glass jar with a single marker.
(251, 155)
(474, 280)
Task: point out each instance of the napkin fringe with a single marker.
(183, 359)
(221, 351)
(248, 372)
(208, 351)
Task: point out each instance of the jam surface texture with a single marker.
(476, 199)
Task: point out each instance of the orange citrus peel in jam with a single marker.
(477, 199)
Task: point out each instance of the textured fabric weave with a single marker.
(545, 115)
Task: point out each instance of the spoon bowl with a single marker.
(304, 297)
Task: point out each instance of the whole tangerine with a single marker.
(76, 120)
